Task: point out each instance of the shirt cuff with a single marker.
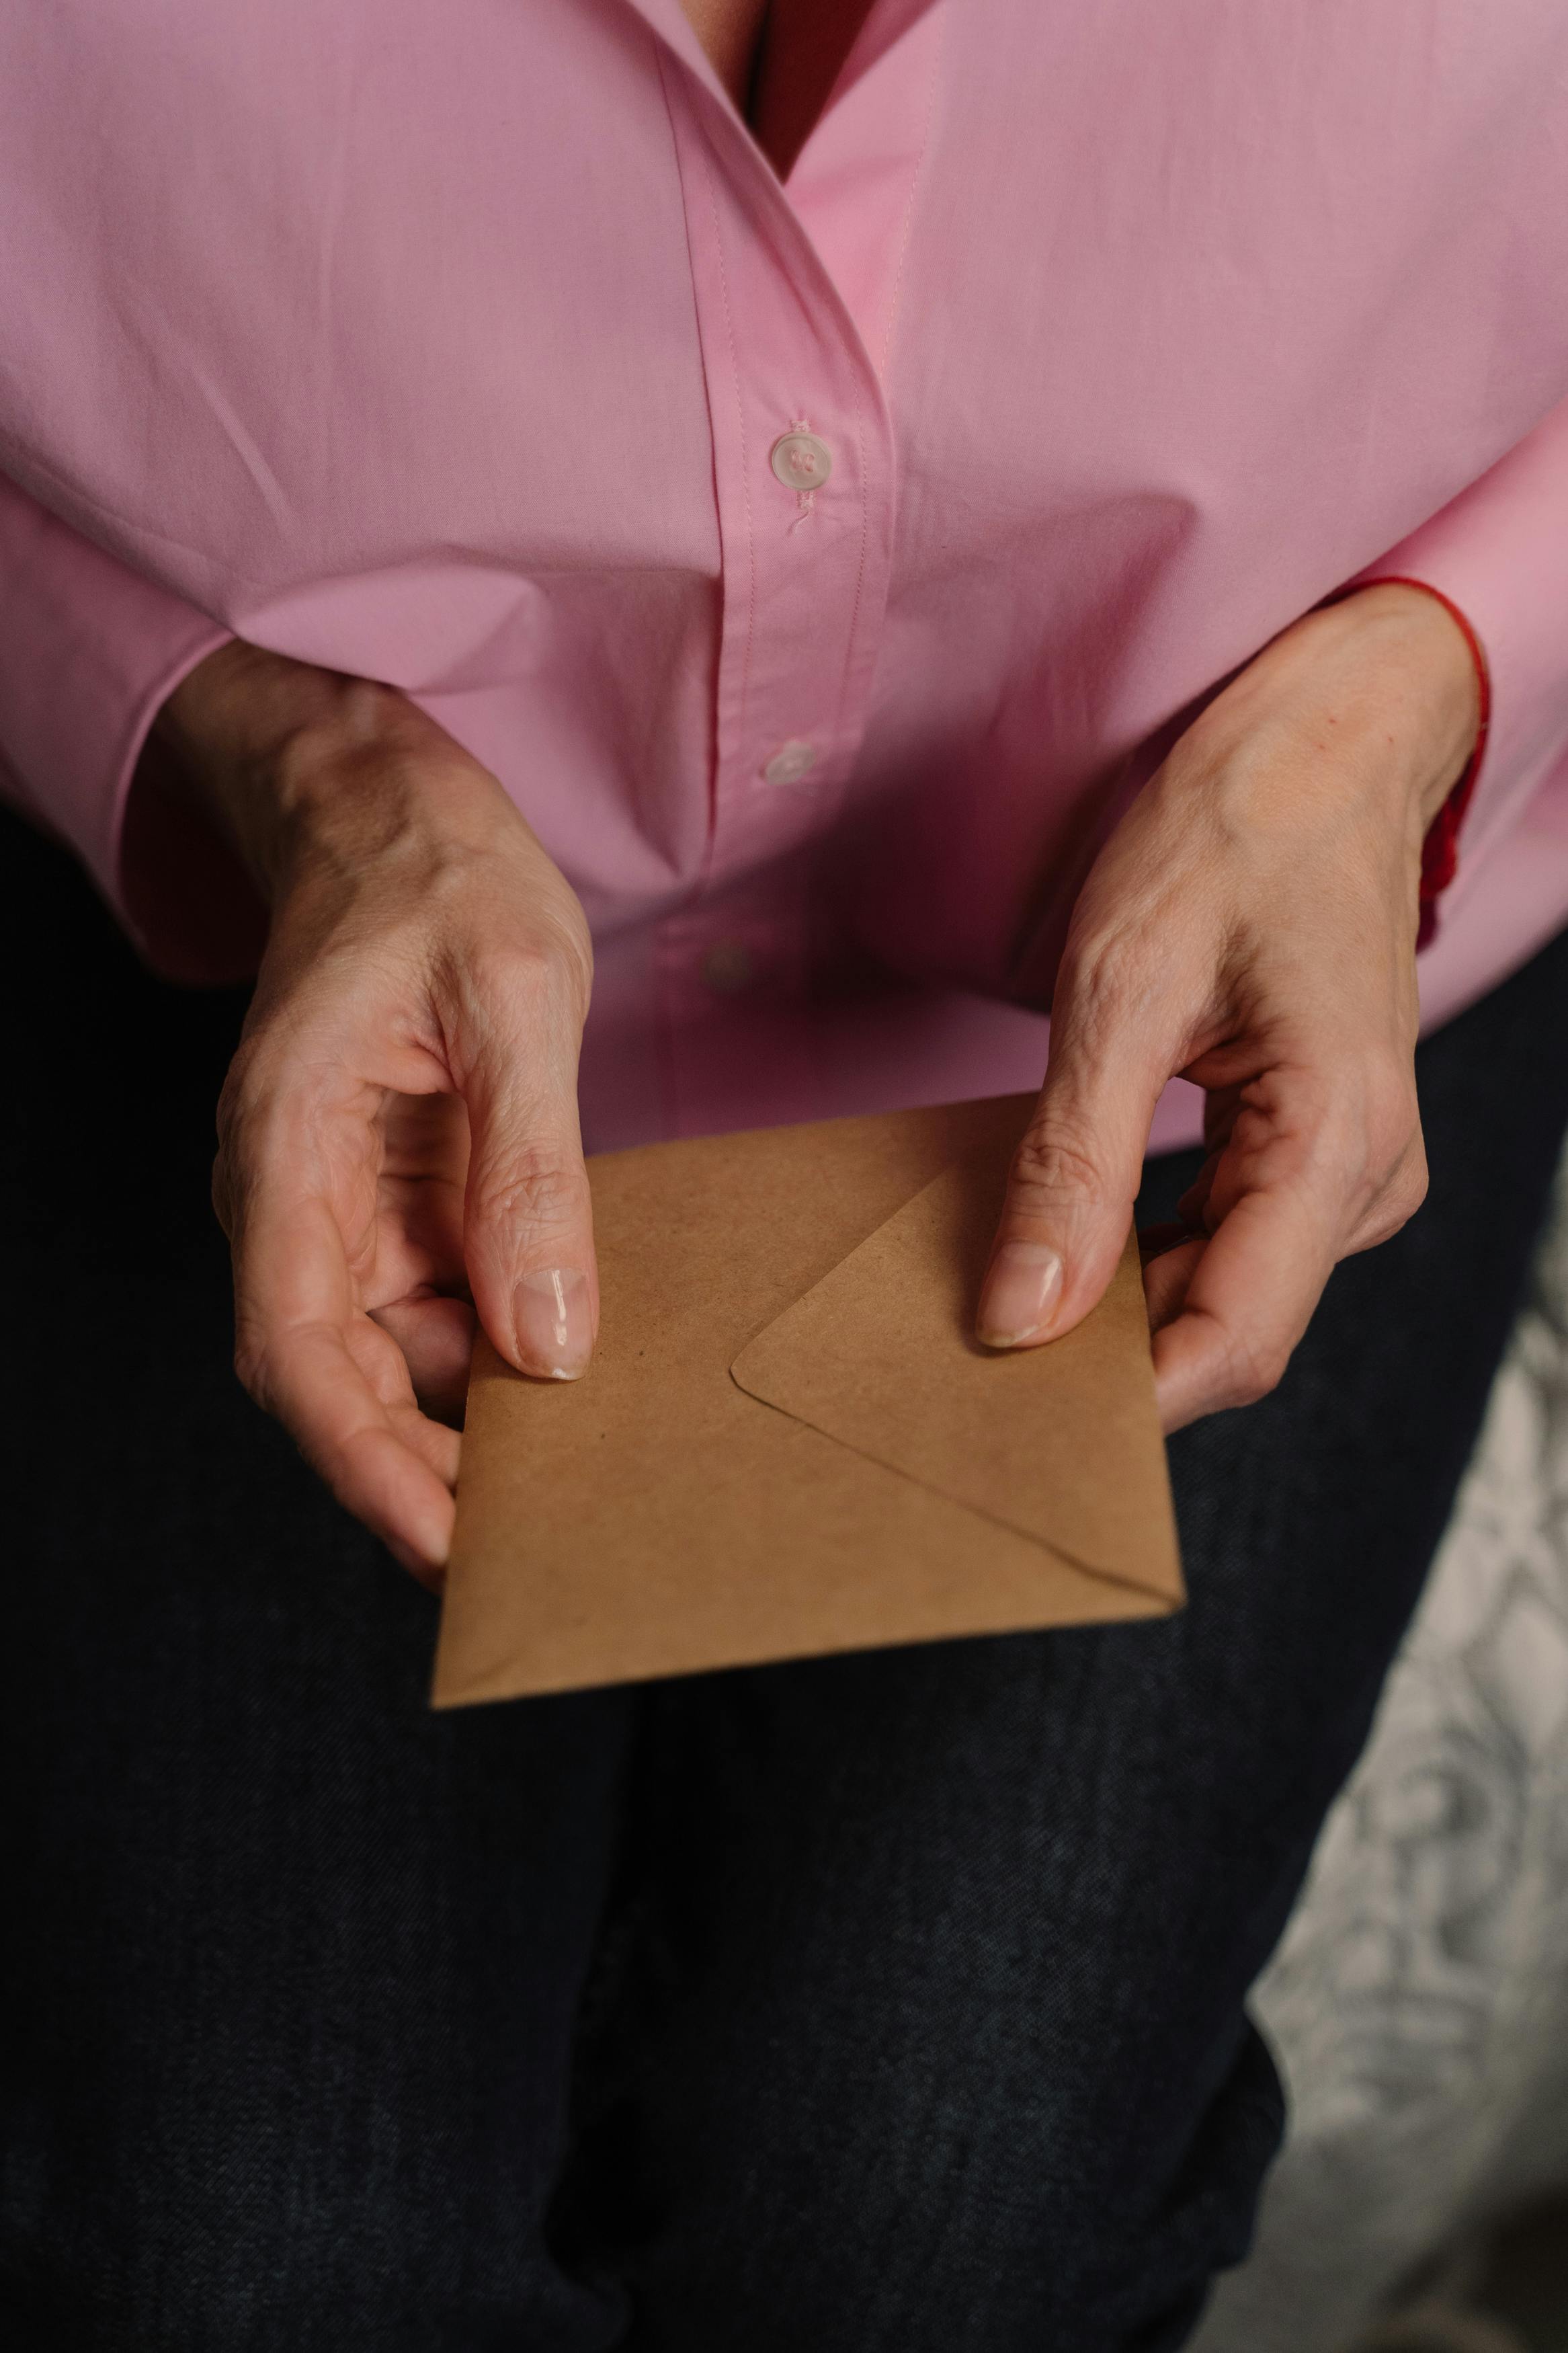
(1497, 558)
(88, 653)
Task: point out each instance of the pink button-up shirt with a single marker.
(819, 566)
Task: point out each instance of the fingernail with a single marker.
(554, 1327)
(1020, 1292)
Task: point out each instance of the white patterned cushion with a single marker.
(1418, 2004)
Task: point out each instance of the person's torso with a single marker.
(474, 351)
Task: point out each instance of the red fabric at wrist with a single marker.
(1440, 850)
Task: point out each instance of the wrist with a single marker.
(306, 769)
(1425, 680)
(1373, 697)
(227, 736)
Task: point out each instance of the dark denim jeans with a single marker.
(870, 2006)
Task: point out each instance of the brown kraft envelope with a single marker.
(788, 1442)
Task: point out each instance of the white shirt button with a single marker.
(729, 967)
(801, 461)
(790, 762)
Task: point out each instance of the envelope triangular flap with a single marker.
(1059, 1443)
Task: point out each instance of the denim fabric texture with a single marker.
(891, 2001)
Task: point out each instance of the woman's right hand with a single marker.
(398, 1137)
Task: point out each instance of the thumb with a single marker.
(1070, 1190)
(528, 1232)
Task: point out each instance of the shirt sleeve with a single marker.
(1499, 554)
(88, 651)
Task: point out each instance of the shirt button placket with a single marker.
(803, 480)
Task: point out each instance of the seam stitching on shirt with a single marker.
(746, 495)
(907, 224)
(664, 962)
(853, 630)
(904, 233)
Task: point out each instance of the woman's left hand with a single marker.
(1252, 926)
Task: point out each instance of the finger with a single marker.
(435, 1336)
(1168, 1270)
(1073, 1181)
(1250, 1297)
(385, 1462)
(1222, 1108)
(419, 1197)
(337, 1383)
(1158, 1241)
(528, 1231)
(415, 1289)
(1194, 1206)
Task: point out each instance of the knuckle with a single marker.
(498, 992)
(1099, 983)
(1380, 1149)
(1408, 1189)
(1397, 1204)
(1253, 1369)
(546, 971)
(1390, 1111)
(250, 1365)
(535, 1187)
(512, 967)
(1052, 1168)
